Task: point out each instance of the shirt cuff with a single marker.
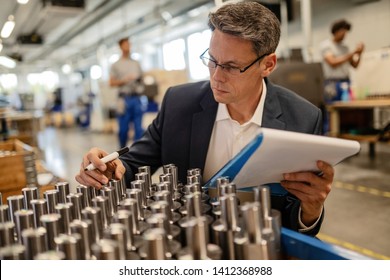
(302, 227)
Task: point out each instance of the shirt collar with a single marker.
(223, 113)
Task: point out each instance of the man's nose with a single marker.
(218, 73)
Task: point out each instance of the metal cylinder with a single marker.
(194, 204)
(24, 219)
(137, 195)
(63, 191)
(194, 179)
(148, 181)
(52, 198)
(113, 200)
(34, 240)
(159, 220)
(191, 188)
(117, 188)
(29, 194)
(7, 234)
(220, 182)
(117, 232)
(76, 200)
(4, 213)
(274, 223)
(65, 210)
(125, 218)
(50, 255)
(39, 207)
(257, 242)
(141, 185)
(229, 211)
(12, 252)
(172, 169)
(130, 204)
(262, 195)
(106, 249)
(86, 198)
(51, 222)
(84, 228)
(166, 196)
(161, 206)
(162, 186)
(69, 244)
(94, 215)
(15, 203)
(144, 176)
(253, 221)
(168, 180)
(102, 203)
(155, 245)
(197, 237)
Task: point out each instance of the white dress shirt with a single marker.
(229, 137)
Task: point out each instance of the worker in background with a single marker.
(337, 61)
(126, 75)
(205, 124)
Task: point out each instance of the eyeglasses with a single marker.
(212, 64)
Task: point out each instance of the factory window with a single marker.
(8, 82)
(173, 55)
(197, 43)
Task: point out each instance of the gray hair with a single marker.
(250, 21)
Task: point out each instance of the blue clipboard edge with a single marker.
(233, 167)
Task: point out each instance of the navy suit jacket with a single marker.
(181, 133)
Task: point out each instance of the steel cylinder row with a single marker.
(140, 220)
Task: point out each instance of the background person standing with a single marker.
(337, 61)
(126, 74)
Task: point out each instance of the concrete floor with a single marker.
(357, 213)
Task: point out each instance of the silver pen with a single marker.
(108, 158)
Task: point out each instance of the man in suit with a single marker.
(204, 124)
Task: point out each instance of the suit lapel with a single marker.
(272, 115)
(203, 122)
(202, 127)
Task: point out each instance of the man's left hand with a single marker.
(311, 189)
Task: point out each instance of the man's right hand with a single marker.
(359, 48)
(103, 172)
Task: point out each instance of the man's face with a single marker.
(340, 35)
(243, 88)
(125, 46)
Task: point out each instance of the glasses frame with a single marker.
(242, 70)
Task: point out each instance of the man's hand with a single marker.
(129, 78)
(103, 172)
(359, 48)
(311, 189)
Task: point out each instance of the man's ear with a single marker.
(270, 63)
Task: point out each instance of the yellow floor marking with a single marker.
(352, 247)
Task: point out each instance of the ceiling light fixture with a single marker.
(22, 2)
(8, 27)
(7, 62)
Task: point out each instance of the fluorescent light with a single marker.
(8, 27)
(7, 62)
(96, 72)
(66, 69)
(22, 2)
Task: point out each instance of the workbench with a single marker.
(335, 109)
